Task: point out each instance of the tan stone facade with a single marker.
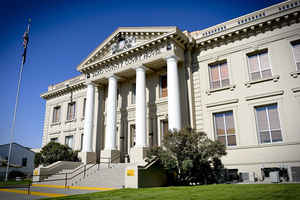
(216, 80)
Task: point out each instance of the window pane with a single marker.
(164, 86)
(253, 63)
(215, 84)
(273, 117)
(84, 105)
(225, 82)
(276, 135)
(231, 140)
(265, 137)
(266, 73)
(222, 139)
(214, 71)
(229, 123)
(264, 61)
(296, 49)
(261, 118)
(133, 93)
(219, 120)
(255, 76)
(224, 71)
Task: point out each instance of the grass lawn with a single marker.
(207, 192)
(3, 183)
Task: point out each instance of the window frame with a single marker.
(133, 94)
(225, 127)
(269, 125)
(218, 64)
(24, 162)
(257, 53)
(58, 116)
(69, 136)
(68, 110)
(84, 108)
(160, 85)
(292, 43)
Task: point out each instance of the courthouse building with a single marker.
(238, 81)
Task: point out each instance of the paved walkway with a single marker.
(44, 191)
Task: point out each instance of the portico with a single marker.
(113, 72)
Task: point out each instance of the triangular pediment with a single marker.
(123, 39)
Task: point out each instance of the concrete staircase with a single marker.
(100, 176)
(105, 176)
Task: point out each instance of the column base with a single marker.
(138, 155)
(87, 157)
(112, 156)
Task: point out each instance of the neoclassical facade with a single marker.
(237, 81)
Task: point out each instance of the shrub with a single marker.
(54, 152)
(190, 157)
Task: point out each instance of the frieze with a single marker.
(112, 67)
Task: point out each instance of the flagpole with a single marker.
(15, 110)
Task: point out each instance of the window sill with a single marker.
(273, 78)
(295, 74)
(69, 121)
(55, 123)
(230, 87)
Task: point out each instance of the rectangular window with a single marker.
(163, 86)
(24, 162)
(54, 139)
(164, 128)
(259, 66)
(84, 105)
(132, 135)
(224, 128)
(268, 125)
(296, 51)
(69, 141)
(81, 142)
(56, 114)
(71, 111)
(133, 88)
(218, 74)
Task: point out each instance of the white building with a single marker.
(22, 159)
(237, 81)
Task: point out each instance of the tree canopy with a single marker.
(54, 152)
(190, 157)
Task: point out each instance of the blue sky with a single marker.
(64, 32)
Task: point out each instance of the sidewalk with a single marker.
(44, 191)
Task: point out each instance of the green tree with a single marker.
(190, 157)
(54, 152)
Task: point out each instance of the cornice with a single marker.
(67, 86)
(268, 21)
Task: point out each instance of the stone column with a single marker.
(141, 137)
(110, 135)
(138, 153)
(110, 152)
(87, 153)
(174, 110)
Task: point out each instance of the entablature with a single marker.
(279, 15)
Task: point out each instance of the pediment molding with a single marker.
(125, 41)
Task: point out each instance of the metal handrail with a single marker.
(66, 178)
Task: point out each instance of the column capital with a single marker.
(90, 82)
(172, 57)
(112, 76)
(141, 68)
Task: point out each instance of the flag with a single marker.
(25, 41)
